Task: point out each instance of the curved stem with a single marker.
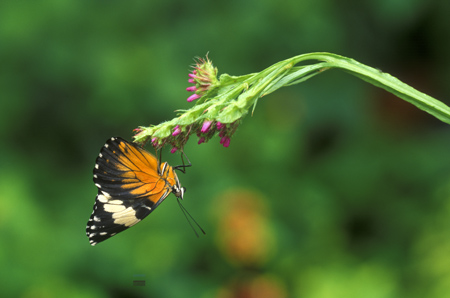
(231, 97)
(385, 81)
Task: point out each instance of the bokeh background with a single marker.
(333, 188)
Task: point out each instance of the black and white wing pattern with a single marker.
(130, 187)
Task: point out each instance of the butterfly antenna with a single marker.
(187, 215)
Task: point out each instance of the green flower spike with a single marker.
(221, 104)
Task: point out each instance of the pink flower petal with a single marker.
(177, 131)
(191, 89)
(202, 140)
(174, 149)
(226, 143)
(193, 97)
(206, 126)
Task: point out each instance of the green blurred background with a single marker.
(333, 188)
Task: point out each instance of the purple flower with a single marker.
(174, 149)
(193, 97)
(177, 131)
(225, 141)
(206, 126)
(220, 125)
(204, 77)
(202, 140)
(138, 131)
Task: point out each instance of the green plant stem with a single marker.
(382, 80)
(230, 98)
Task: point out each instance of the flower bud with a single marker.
(155, 141)
(206, 126)
(220, 125)
(225, 141)
(204, 77)
(193, 97)
(177, 131)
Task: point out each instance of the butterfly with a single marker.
(131, 183)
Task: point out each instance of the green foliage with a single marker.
(345, 185)
(226, 104)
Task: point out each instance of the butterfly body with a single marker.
(131, 184)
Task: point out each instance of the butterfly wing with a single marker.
(129, 188)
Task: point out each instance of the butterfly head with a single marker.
(178, 190)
